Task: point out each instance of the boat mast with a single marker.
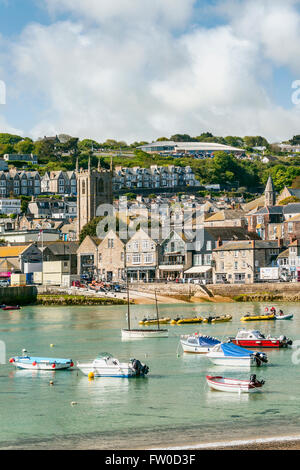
(127, 284)
(157, 316)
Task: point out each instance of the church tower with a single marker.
(270, 194)
(94, 187)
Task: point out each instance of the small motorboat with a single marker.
(284, 317)
(154, 321)
(224, 384)
(184, 321)
(255, 339)
(12, 307)
(198, 344)
(229, 354)
(41, 363)
(105, 365)
(221, 319)
(267, 316)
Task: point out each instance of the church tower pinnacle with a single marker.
(270, 194)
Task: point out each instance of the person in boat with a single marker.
(280, 313)
(273, 310)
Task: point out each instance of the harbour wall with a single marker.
(21, 295)
(260, 292)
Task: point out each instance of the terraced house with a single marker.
(155, 177)
(19, 183)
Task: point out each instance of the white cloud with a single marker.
(169, 13)
(135, 69)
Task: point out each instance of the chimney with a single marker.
(280, 242)
(219, 242)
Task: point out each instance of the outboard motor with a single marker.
(254, 381)
(141, 369)
(260, 358)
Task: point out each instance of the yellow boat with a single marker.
(154, 321)
(223, 318)
(258, 317)
(183, 321)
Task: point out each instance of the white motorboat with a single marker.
(224, 384)
(41, 363)
(228, 354)
(105, 365)
(198, 344)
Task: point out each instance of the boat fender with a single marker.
(289, 342)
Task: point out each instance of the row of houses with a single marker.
(154, 177)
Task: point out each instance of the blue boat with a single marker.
(233, 355)
(41, 363)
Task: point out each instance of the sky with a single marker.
(137, 69)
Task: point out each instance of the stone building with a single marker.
(239, 262)
(111, 255)
(94, 188)
(142, 254)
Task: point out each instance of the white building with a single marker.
(204, 148)
(10, 206)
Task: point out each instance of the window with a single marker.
(110, 243)
(148, 258)
(208, 246)
(235, 265)
(236, 254)
(135, 246)
(145, 245)
(136, 258)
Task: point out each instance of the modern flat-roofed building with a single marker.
(204, 148)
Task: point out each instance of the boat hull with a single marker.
(231, 385)
(121, 370)
(259, 343)
(258, 318)
(284, 317)
(38, 363)
(163, 321)
(186, 321)
(141, 333)
(190, 348)
(220, 360)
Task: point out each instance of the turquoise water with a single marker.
(171, 406)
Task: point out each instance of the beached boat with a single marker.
(267, 316)
(185, 321)
(229, 354)
(197, 344)
(41, 363)
(12, 307)
(284, 317)
(224, 384)
(154, 321)
(221, 319)
(255, 339)
(105, 365)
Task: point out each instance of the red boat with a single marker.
(6, 307)
(255, 339)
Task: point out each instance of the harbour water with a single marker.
(172, 406)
